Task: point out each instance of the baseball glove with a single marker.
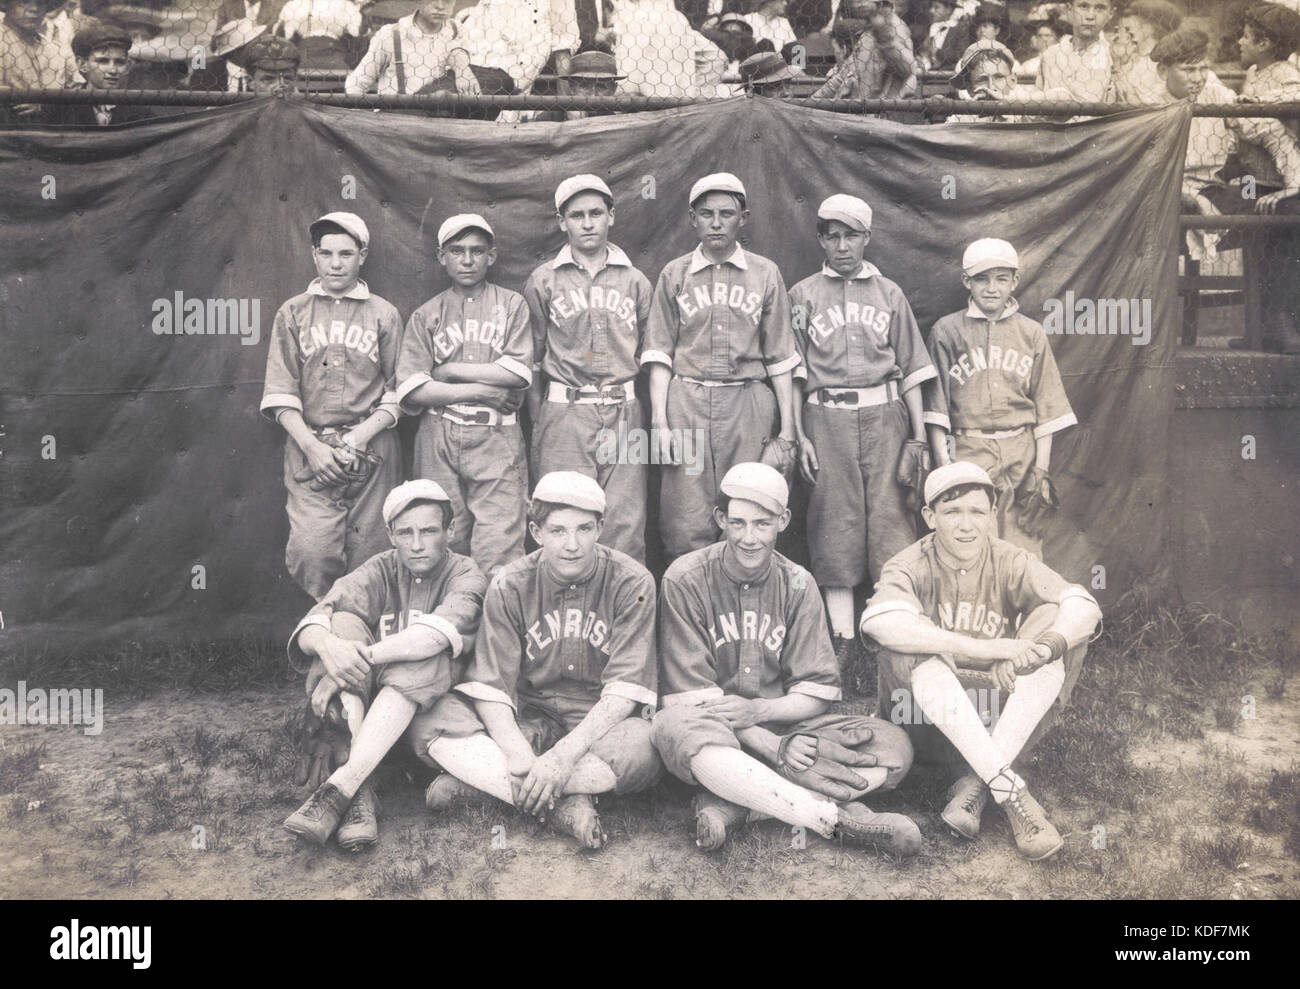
(913, 468)
(1036, 499)
(832, 773)
(326, 745)
(356, 477)
(780, 454)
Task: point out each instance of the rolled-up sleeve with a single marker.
(633, 668)
(494, 673)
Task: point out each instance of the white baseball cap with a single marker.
(568, 487)
(759, 483)
(989, 253)
(847, 209)
(717, 182)
(350, 222)
(458, 224)
(575, 184)
(953, 475)
(421, 489)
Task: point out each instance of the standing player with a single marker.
(719, 326)
(329, 384)
(545, 716)
(588, 308)
(863, 361)
(748, 677)
(392, 629)
(946, 610)
(466, 356)
(999, 392)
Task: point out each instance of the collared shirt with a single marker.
(518, 36)
(490, 328)
(995, 374)
(319, 19)
(587, 328)
(425, 57)
(543, 638)
(856, 332)
(1139, 83)
(390, 599)
(875, 69)
(723, 634)
(41, 64)
(774, 29)
(333, 359)
(1267, 147)
(1086, 74)
(724, 322)
(655, 47)
(987, 599)
(1210, 140)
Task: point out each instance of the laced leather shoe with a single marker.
(1036, 838)
(895, 833)
(966, 800)
(318, 818)
(360, 828)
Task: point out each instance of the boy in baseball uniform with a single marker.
(555, 705)
(466, 358)
(748, 678)
(386, 641)
(329, 384)
(963, 607)
(857, 411)
(589, 307)
(998, 392)
(719, 329)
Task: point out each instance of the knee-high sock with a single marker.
(940, 696)
(591, 775)
(381, 727)
(742, 779)
(476, 760)
(1033, 698)
(839, 609)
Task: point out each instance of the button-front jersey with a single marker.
(856, 332)
(544, 638)
(720, 635)
(333, 359)
(389, 598)
(587, 329)
(722, 322)
(995, 374)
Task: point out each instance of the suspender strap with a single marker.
(397, 59)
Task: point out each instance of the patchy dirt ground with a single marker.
(115, 816)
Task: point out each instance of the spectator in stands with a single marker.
(882, 64)
(222, 68)
(28, 58)
(272, 66)
(1043, 34)
(63, 22)
(518, 37)
(767, 74)
(104, 61)
(327, 32)
(767, 18)
(655, 46)
(262, 12)
(408, 54)
(986, 71)
(950, 34)
(990, 22)
(591, 73)
(1081, 62)
(855, 14)
(733, 34)
(1143, 23)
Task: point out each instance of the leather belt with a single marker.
(713, 383)
(991, 434)
(475, 415)
(855, 398)
(558, 391)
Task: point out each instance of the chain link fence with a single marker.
(933, 63)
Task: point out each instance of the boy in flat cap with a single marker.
(272, 66)
(103, 58)
(766, 74)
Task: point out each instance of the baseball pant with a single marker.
(857, 518)
(626, 748)
(329, 536)
(897, 704)
(483, 471)
(681, 731)
(721, 427)
(1007, 463)
(422, 681)
(582, 438)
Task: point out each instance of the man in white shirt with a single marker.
(769, 22)
(519, 36)
(1082, 62)
(413, 52)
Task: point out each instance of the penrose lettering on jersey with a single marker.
(102, 943)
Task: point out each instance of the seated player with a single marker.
(749, 677)
(385, 639)
(548, 713)
(962, 606)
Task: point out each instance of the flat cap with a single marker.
(759, 483)
(847, 209)
(953, 475)
(568, 487)
(99, 35)
(989, 252)
(350, 222)
(454, 226)
(575, 184)
(717, 182)
(404, 495)
(985, 46)
(270, 53)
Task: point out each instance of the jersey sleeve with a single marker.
(934, 391)
(807, 659)
(686, 664)
(774, 335)
(1051, 406)
(363, 592)
(800, 314)
(909, 346)
(283, 386)
(633, 671)
(663, 323)
(535, 296)
(459, 612)
(415, 358)
(517, 351)
(644, 292)
(493, 675)
(1031, 583)
(390, 344)
(895, 591)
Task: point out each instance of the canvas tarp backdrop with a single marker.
(131, 458)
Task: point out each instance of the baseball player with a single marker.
(857, 412)
(962, 607)
(999, 392)
(546, 714)
(588, 308)
(748, 677)
(329, 384)
(386, 637)
(719, 325)
(466, 359)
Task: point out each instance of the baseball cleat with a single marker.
(895, 833)
(713, 818)
(319, 816)
(576, 815)
(360, 827)
(447, 791)
(1036, 838)
(966, 800)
